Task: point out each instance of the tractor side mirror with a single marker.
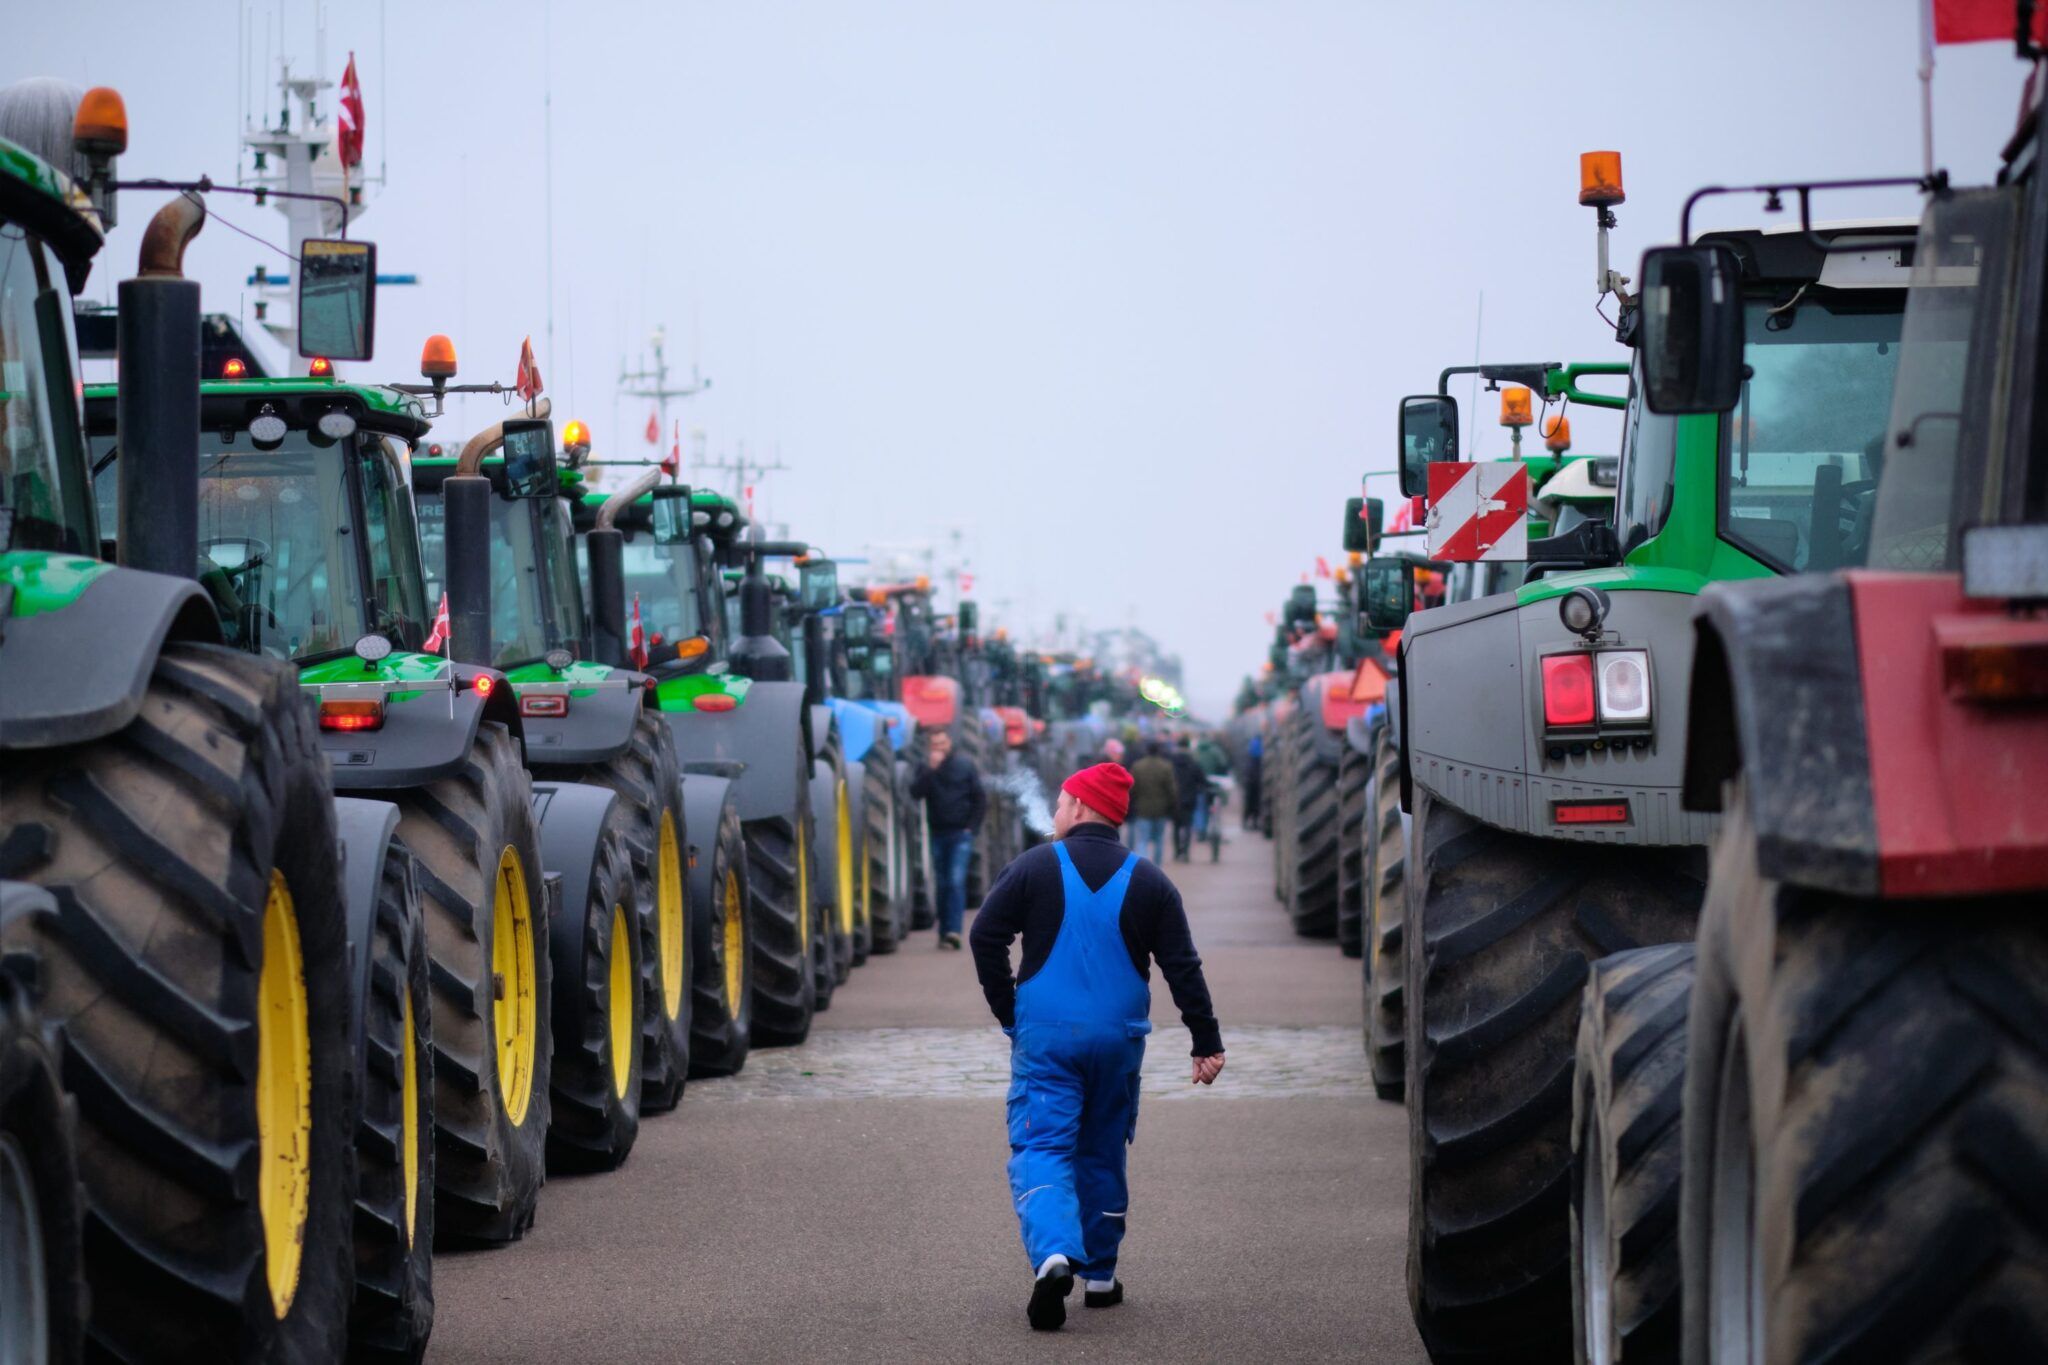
(1362, 524)
(856, 626)
(1692, 329)
(819, 584)
(970, 619)
(530, 467)
(337, 299)
(1429, 433)
(1389, 592)
(1301, 604)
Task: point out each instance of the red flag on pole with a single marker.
(350, 116)
(1322, 567)
(966, 583)
(637, 637)
(1983, 21)
(526, 383)
(438, 636)
(675, 452)
(653, 430)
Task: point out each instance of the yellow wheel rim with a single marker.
(845, 864)
(409, 1121)
(735, 945)
(668, 924)
(514, 1011)
(619, 1003)
(284, 1095)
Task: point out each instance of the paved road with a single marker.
(846, 1200)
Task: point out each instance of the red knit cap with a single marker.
(1104, 789)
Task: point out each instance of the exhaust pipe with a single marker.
(157, 411)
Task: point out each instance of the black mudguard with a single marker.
(825, 843)
(598, 727)
(80, 673)
(421, 739)
(1327, 744)
(705, 799)
(572, 816)
(1394, 709)
(365, 830)
(1777, 695)
(757, 736)
(823, 723)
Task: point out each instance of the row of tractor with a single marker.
(388, 821)
(1689, 819)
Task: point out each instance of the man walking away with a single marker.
(1254, 765)
(1092, 915)
(953, 805)
(1189, 783)
(1155, 795)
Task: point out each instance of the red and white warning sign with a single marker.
(1478, 511)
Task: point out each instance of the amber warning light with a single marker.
(1600, 179)
(100, 127)
(1515, 407)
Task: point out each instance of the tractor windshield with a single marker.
(1944, 412)
(536, 603)
(1801, 451)
(662, 579)
(42, 480)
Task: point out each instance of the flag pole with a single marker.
(1927, 88)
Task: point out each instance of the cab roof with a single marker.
(39, 197)
(299, 400)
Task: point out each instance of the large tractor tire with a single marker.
(1313, 834)
(835, 878)
(722, 1010)
(646, 777)
(1354, 776)
(861, 874)
(1502, 930)
(1865, 1123)
(916, 844)
(1386, 975)
(198, 967)
(788, 933)
(599, 1000)
(888, 900)
(42, 1279)
(1280, 794)
(478, 856)
(394, 1224)
(1625, 1156)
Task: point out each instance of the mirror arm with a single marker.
(1589, 545)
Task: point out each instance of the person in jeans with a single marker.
(954, 803)
(1155, 796)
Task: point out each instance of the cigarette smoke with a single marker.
(1029, 793)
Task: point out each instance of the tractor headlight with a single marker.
(1624, 685)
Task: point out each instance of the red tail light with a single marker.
(351, 715)
(484, 684)
(547, 704)
(1567, 690)
(1590, 812)
(714, 701)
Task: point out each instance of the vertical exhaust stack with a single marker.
(605, 545)
(158, 409)
(466, 506)
(757, 654)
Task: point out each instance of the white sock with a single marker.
(1055, 1264)
(1099, 1286)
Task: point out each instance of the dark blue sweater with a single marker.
(1029, 899)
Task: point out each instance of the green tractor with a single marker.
(188, 930)
(1542, 735)
(595, 742)
(877, 729)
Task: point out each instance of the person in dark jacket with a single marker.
(1155, 795)
(1189, 782)
(1093, 916)
(954, 803)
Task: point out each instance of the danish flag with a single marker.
(526, 383)
(637, 637)
(437, 638)
(1478, 511)
(653, 431)
(349, 135)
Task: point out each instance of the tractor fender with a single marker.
(365, 830)
(705, 799)
(757, 737)
(1394, 708)
(821, 720)
(825, 844)
(421, 739)
(598, 727)
(1777, 695)
(1326, 744)
(860, 728)
(1358, 733)
(80, 672)
(572, 817)
(902, 726)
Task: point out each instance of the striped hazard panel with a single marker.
(1478, 511)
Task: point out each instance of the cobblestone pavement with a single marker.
(945, 1063)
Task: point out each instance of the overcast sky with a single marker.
(1123, 293)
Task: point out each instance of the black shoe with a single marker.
(1048, 1307)
(1104, 1298)
(950, 941)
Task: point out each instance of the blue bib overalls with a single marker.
(1074, 1059)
